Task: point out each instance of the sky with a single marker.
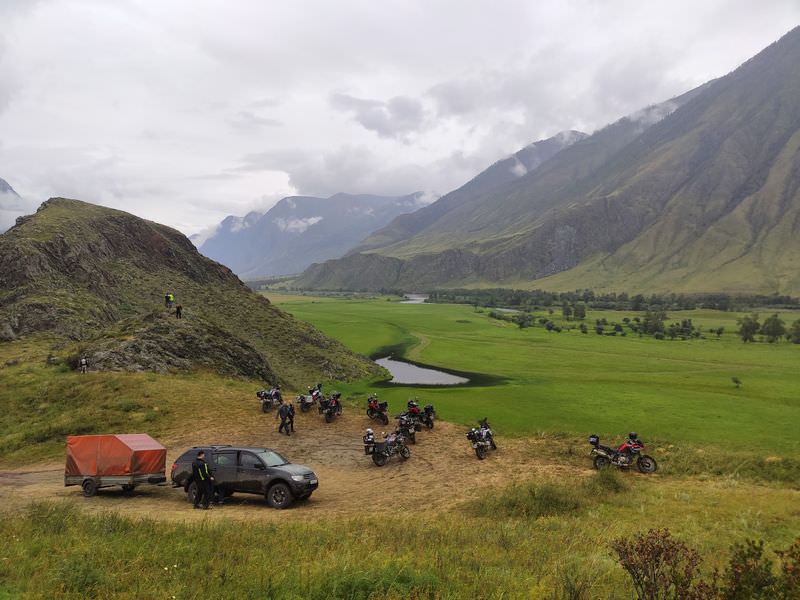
(185, 111)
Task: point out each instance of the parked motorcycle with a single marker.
(624, 456)
(421, 417)
(482, 439)
(330, 407)
(306, 401)
(377, 410)
(381, 452)
(407, 427)
(267, 398)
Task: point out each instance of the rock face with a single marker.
(698, 194)
(300, 230)
(98, 276)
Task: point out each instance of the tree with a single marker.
(566, 310)
(774, 328)
(794, 332)
(748, 327)
(580, 311)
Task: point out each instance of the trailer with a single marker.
(127, 460)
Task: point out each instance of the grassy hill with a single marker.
(92, 281)
(705, 199)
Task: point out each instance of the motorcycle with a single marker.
(421, 417)
(381, 452)
(482, 439)
(624, 456)
(306, 401)
(330, 407)
(377, 410)
(267, 398)
(407, 427)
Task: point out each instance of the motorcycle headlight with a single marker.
(298, 477)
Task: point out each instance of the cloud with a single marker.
(395, 118)
(245, 120)
(296, 225)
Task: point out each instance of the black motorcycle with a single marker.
(408, 427)
(331, 407)
(394, 444)
(422, 417)
(482, 439)
(377, 410)
(267, 398)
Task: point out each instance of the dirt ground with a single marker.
(442, 471)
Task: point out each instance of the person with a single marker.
(84, 364)
(171, 300)
(179, 311)
(291, 416)
(204, 481)
(283, 413)
(276, 394)
(166, 300)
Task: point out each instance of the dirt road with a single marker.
(441, 472)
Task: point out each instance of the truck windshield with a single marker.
(272, 459)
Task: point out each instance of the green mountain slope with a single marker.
(96, 277)
(705, 199)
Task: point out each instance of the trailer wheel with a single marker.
(89, 487)
(128, 487)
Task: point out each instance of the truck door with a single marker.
(223, 467)
(252, 473)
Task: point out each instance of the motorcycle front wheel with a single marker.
(328, 417)
(646, 464)
(601, 462)
(480, 452)
(405, 452)
(380, 459)
(304, 407)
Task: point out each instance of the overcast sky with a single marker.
(186, 111)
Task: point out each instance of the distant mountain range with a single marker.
(10, 205)
(698, 194)
(300, 230)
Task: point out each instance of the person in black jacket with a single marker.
(290, 416)
(204, 482)
(283, 413)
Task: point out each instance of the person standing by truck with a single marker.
(203, 480)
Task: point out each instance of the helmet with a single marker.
(369, 431)
(412, 403)
(633, 435)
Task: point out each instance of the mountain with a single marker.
(698, 194)
(10, 205)
(76, 273)
(300, 230)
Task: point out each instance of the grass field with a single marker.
(671, 391)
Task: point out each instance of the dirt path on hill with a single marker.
(442, 471)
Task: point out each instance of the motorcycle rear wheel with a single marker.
(265, 407)
(380, 459)
(601, 462)
(384, 419)
(328, 417)
(304, 407)
(405, 452)
(480, 452)
(646, 464)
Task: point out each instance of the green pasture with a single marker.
(576, 384)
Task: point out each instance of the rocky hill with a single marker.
(697, 194)
(301, 230)
(96, 278)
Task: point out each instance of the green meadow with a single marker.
(540, 382)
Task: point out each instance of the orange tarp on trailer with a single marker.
(125, 454)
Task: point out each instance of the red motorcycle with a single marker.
(331, 407)
(377, 410)
(624, 456)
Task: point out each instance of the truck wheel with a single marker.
(279, 496)
(89, 487)
(128, 487)
(191, 492)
